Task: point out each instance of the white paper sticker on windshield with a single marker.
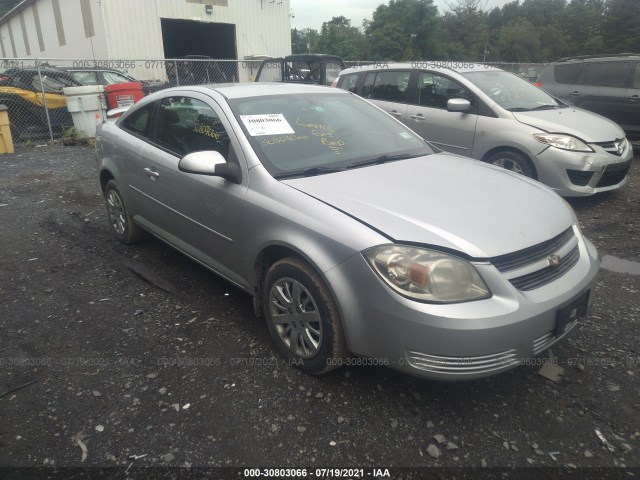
(269, 124)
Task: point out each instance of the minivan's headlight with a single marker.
(564, 142)
(427, 275)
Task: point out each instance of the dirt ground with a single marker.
(118, 356)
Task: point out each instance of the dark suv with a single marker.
(608, 85)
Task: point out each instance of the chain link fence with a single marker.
(32, 89)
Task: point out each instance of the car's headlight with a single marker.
(427, 275)
(564, 142)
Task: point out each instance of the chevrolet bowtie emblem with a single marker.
(553, 260)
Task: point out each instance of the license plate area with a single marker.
(572, 312)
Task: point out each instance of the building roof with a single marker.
(15, 10)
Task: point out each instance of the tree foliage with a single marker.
(519, 31)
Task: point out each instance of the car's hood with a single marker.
(587, 126)
(445, 200)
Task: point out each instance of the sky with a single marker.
(312, 13)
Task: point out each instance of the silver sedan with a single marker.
(355, 239)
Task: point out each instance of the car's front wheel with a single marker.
(122, 225)
(512, 161)
(302, 317)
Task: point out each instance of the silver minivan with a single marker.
(491, 115)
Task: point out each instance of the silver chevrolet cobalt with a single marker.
(358, 243)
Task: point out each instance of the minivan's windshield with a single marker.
(512, 92)
(311, 134)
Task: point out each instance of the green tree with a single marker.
(621, 29)
(304, 40)
(582, 26)
(7, 5)
(519, 42)
(338, 37)
(465, 30)
(404, 29)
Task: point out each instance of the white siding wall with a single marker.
(77, 45)
(131, 29)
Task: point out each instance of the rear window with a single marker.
(567, 73)
(349, 82)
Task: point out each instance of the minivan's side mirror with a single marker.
(210, 163)
(458, 105)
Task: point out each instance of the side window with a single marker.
(567, 73)
(387, 86)
(349, 82)
(636, 77)
(607, 74)
(435, 91)
(138, 122)
(85, 78)
(187, 125)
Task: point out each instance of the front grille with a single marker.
(614, 174)
(547, 274)
(612, 146)
(518, 259)
(462, 365)
(578, 177)
(540, 344)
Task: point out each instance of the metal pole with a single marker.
(44, 101)
(175, 63)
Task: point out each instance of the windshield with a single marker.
(301, 135)
(512, 92)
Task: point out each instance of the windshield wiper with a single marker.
(539, 107)
(382, 159)
(309, 172)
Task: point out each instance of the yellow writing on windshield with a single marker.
(206, 130)
(317, 129)
(284, 139)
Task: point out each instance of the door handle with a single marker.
(634, 98)
(151, 173)
(395, 113)
(418, 117)
(574, 94)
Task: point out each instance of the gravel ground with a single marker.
(111, 351)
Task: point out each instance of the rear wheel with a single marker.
(512, 161)
(123, 226)
(302, 317)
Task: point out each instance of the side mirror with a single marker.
(458, 105)
(210, 163)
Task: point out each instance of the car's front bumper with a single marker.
(573, 174)
(457, 341)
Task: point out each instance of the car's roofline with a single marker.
(440, 66)
(612, 56)
(255, 89)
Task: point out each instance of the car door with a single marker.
(198, 214)
(428, 115)
(601, 88)
(388, 89)
(631, 109)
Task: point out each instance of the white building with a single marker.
(146, 29)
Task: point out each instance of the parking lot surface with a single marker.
(114, 355)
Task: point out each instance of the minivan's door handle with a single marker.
(575, 93)
(151, 173)
(418, 116)
(634, 98)
(395, 113)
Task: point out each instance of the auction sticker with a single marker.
(268, 124)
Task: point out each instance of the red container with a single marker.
(120, 95)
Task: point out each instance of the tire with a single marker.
(302, 317)
(513, 161)
(122, 225)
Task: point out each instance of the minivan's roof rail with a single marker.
(604, 55)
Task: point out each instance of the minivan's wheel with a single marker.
(302, 317)
(512, 161)
(123, 227)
